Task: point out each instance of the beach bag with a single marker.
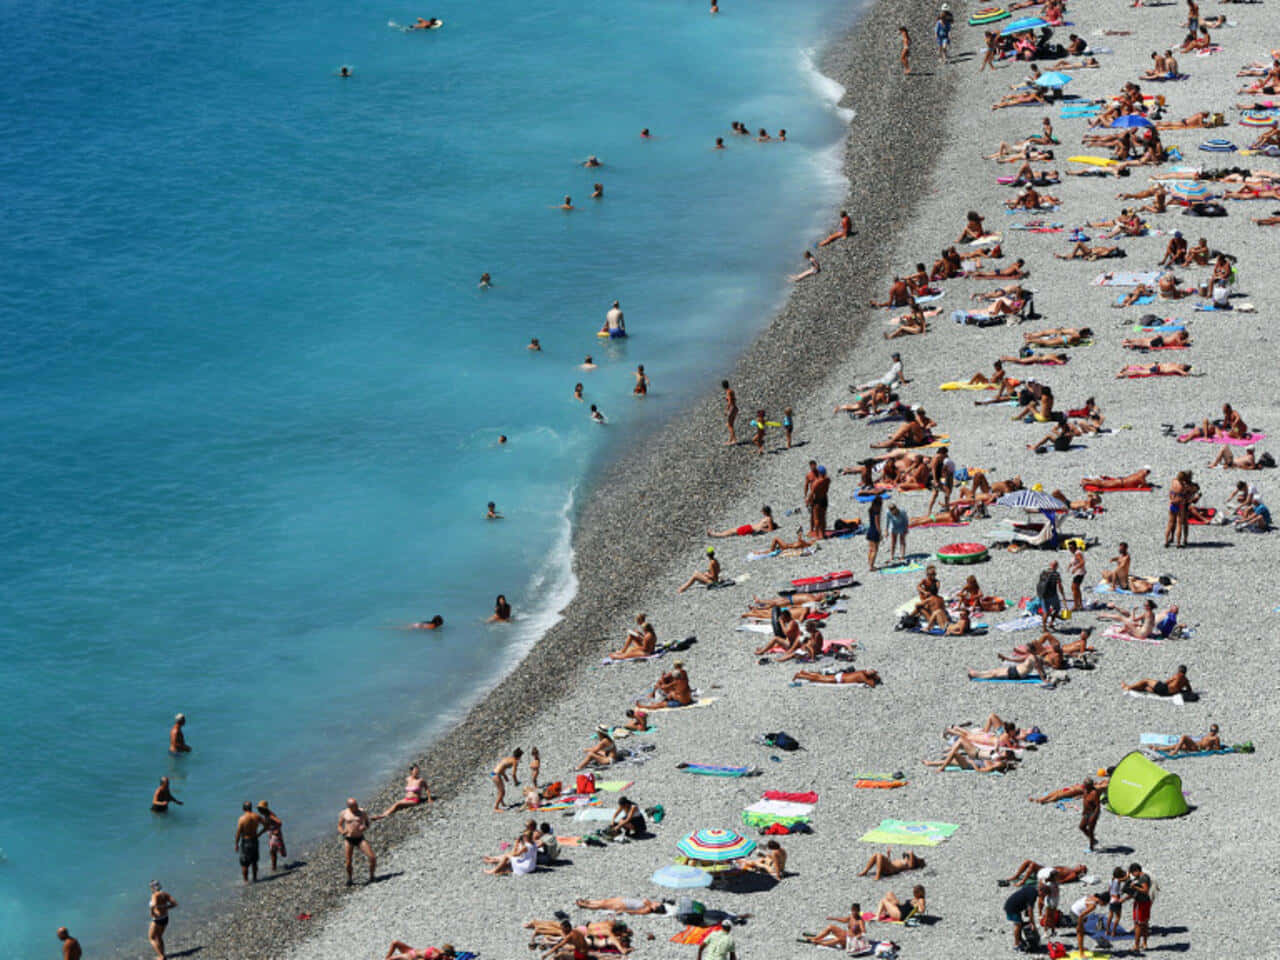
(782, 741)
(586, 783)
(1058, 951)
(656, 813)
(1266, 460)
(552, 790)
(1035, 736)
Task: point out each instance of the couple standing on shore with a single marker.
(249, 828)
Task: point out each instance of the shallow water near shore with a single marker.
(251, 391)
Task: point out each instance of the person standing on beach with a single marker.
(1049, 591)
(178, 743)
(719, 945)
(905, 56)
(1091, 801)
(249, 828)
(511, 763)
(942, 31)
(352, 823)
(158, 911)
(989, 55)
(818, 509)
(899, 524)
(1075, 567)
(873, 531)
(730, 412)
(70, 945)
(1139, 888)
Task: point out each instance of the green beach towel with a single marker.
(910, 833)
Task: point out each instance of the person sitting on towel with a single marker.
(627, 819)
(1229, 461)
(891, 908)
(1031, 663)
(766, 524)
(672, 690)
(641, 641)
(1139, 622)
(956, 756)
(602, 753)
(885, 866)
(1175, 685)
(910, 434)
(788, 640)
(772, 861)
(1231, 425)
(1187, 744)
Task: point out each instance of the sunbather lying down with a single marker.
(1042, 359)
(1132, 370)
(1188, 744)
(399, 950)
(569, 942)
(1179, 338)
(1058, 337)
(1054, 652)
(910, 434)
(1031, 663)
(1082, 251)
(1136, 479)
(1073, 791)
(885, 866)
(638, 906)
(1028, 869)
(1134, 295)
(958, 756)
(1175, 685)
(867, 678)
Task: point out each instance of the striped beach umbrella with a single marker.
(1259, 120)
(1191, 189)
(1031, 500)
(713, 845)
(678, 877)
(1022, 25)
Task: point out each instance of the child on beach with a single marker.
(788, 424)
(1115, 905)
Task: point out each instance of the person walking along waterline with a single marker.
(249, 828)
(158, 912)
(352, 823)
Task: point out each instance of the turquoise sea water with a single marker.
(250, 392)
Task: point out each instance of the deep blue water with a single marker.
(250, 391)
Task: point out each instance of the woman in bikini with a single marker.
(868, 678)
(844, 933)
(891, 908)
(885, 866)
(415, 792)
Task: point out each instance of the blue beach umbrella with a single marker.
(1031, 500)
(1022, 26)
(681, 878)
(1053, 80)
(1130, 121)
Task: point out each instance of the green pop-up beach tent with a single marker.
(1140, 788)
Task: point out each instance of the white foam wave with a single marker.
(828, 90)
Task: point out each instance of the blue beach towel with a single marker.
(1006, 680)
(711, 770)
(1142, 301)
(975, 630)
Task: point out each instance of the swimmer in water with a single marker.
(596, 415)
(577, 392)
(644, 134)
(763, 136)
(178, 742)
(719, 143)
(715, 8)
(534, 345)
(344, 71)
(591, 161)
(642, 382)
(588, 363)
(502, 439)
(493, 513)
(501, 610)
(486, 281)
(426, 24)
(597, 191)
(782, 135)
(435, 623)
(568, 203)
(161, 799)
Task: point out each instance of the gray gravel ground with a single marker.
(913, 162)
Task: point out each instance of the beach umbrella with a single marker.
(680, 877)
(1190, 189)
(1053, 80)
(1258, 120)
(1023, 25)
(715, 846)
(1130, 121)
(1031, 500)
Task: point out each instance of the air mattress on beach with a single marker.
(1248, 441)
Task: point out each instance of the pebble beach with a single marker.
(915, 165)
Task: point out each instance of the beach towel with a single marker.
(570, 801)
(1158, 739)
(595, 814)
(608, 661)
(1094, 488)
(1093, 928)
(1022, 623)
(694, 935)
(807, 796)
(911, 833)
(1116, 632)
(701, 702)
(1142, 301)
(1212, 308)
(1006, 680)
(975, 630)
(712, 770)
(621, 733)
(763, 554)
(1144, 374)
(1126, 279)
(1157, 755)
(913, 567)
(955, 769)
(1175, 699)
(869, 917)
(940, 523)
(1248, 441)
(880, 784)
(763, 813)
(614, 786)
(754, 626)
(965, 385)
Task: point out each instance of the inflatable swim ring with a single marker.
(611, 334)
(962, 553)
